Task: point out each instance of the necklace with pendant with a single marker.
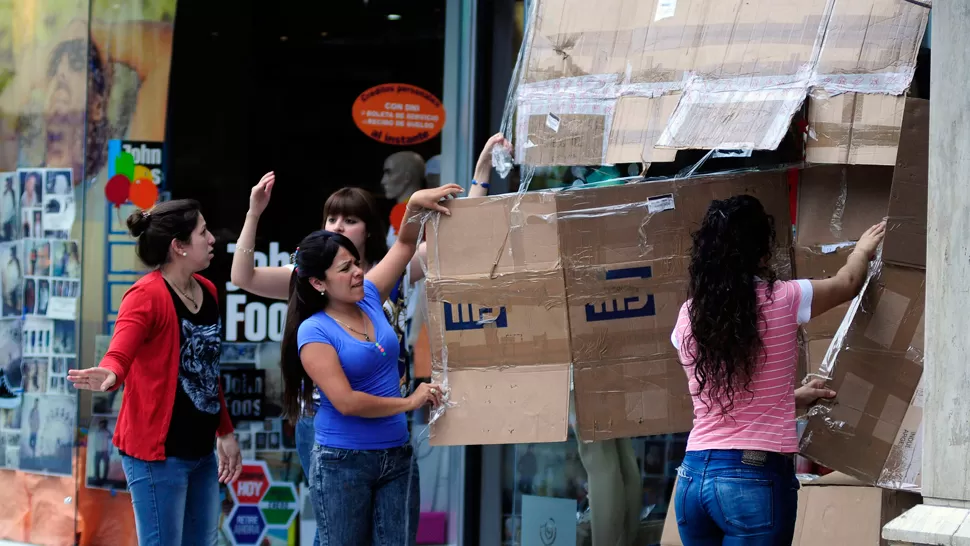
(188, 297)
(359, 333)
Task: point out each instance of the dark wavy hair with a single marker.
(731, 250)
(314, 257)
(360, 203)
(157, 227)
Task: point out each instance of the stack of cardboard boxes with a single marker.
(590, 278)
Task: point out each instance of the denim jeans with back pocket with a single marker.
(735, 498)
(365, 498)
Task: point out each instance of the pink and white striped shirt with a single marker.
(764, 418)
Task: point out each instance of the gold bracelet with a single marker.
(245, 250)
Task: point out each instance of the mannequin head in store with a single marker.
(327, 275)
(173, 235)
(353, 213)
(403, 175)
(731, 251)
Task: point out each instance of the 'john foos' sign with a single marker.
(631, 307)
(467, 319)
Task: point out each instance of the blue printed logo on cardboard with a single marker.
(631, 307)
(467, 318)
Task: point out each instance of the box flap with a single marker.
(875, 364)
(906, 234)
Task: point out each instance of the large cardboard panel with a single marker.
(905, 242)
(517, 405)
(876, 364)
(497, 321)
(625, 252)
(738, 69)
(836, 204)
(833, 510)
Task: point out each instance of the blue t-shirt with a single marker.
(368, 370)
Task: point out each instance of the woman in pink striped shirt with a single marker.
(736, 337)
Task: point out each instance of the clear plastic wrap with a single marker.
(588, 278)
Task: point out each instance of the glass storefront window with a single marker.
(107, 106)
(543, 482)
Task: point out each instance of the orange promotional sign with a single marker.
(399, 114)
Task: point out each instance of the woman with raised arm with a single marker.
(363, 475)
(165, 351)
(350, 212)
(736, 337)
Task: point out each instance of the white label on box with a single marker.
(552, 122)
(665, 9)
(661, 203)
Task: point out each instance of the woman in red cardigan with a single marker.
(165, 351)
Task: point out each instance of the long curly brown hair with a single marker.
(730, 253)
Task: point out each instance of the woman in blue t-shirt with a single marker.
(363, 475)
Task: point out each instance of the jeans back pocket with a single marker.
(680, 496)
(746, 503)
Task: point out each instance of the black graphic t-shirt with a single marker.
(195, 417)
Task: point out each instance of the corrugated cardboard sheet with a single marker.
(625, 251)
(833, 510)
(593, 277)
(497, 321)
(871, 430)
(906, 235)
(629, 81)
(836, 204)
(853, 128)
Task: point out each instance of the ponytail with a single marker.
(304, 301)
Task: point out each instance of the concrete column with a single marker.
(945, 517)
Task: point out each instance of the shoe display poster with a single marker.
(40, 284)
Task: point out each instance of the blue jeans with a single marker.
(735, 498)
(305, 440)
(176, 501)
(365, 497)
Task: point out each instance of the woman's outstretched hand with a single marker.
(811, 392)
(92, 379)
(259, 197)
(430, 198)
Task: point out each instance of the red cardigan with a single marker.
(144, 354)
